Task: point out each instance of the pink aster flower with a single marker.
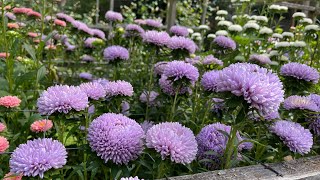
(60, 23)
(4, 55)
(10, 101)
(34, 14)
(4, 144)
(2, 127)
(12, 176)
(41, 125)
(22, 10)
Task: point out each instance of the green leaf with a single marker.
(41, 73)
(30, 51)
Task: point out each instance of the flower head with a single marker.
(159, 67)
(259, 87)
(85, 75)
(118, 88)
(113, 16)
(38, 156)
(300, 71)
(297, 138)
(173, 140)
(179, 31)
(149, 97)
(300, 102)
(116, 138)
(87, 58)
(315, 125)
(146, 125)
(260, 59)
(65, 17)
(41, 125)
(131, 178)
(210, 59)
(94, 90)
(225, 42)
(114, 53)
(21, 10)
(182, 43)
(2, 127)
(10, 16)
(60, 23)
(62, 99)
(156, 38)
(153, 23)
(179, 70)
(211, 138)
(4, 144)
(12, 176)
(133, 30)
(98, 33)
(10, 101)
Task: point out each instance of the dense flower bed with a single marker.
(136, 102)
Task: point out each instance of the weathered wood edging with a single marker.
(303, 168)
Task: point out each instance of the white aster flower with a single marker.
(235, 28)
(222, 12)
(265, 30)
(221, 33)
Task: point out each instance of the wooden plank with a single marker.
(297, 6)
(307, 168)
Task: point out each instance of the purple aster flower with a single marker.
(116, 138)
(300, 102)
(180, 70)
(10, 16)
(217, 104)
(156, 38)
(167, 87)
(38, 156)
(87, 58)
(159, 67)
(149, 97)
(153, 23)
(300, 71)
(210, 59)
(102, 81)
(98, 33)
(316, 99)
(113, 16)
(212, 139)
(91, 109)
(293, 135)
(86, 76)
(62, 99)
(146, 125)
(261, 88)
(65, 17)
(174, 140)
(115, 54)
(89, 42)
(133, 30)
(193, 61)
(119, 88)
(94, 90)
(125, 107)
(315, 125)
(70, 47)
(225, 42)
(82, 27)
(260, 59)
(182, 43)
(179, 31)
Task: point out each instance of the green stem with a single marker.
(151, 67)
(173, 108)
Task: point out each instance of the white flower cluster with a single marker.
(312, 27)
(299, 15)
(222, 13)
(306, 21)
(287, 34)
(224, 23)
(235, 28)
(260, 18)
(265, 30)
(221, 33)
(277, 35)
(251, 25)
(278, 8)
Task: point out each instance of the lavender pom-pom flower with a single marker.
(225, 42)
(300, 71)
(293, 135)
(173, 140)
(38, 156)
(116, 138)
(115, 54)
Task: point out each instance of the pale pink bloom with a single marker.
(33, 34)
(12, 176)
(41, 125)
(34, 14)
(51, 47)
(4, 55)
(60, 23)
(4, 144)
(2, 127)
(21, 10)
(10, 101)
